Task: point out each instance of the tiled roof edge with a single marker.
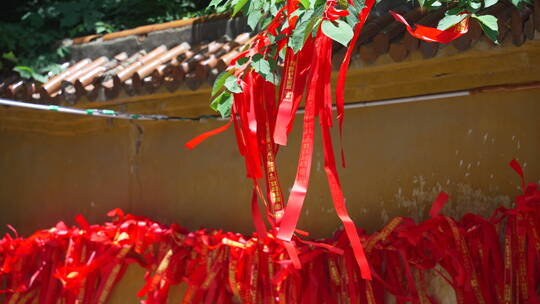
(145, 29)
(194, 33)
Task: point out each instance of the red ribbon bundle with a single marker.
(83, 264)
(261, 125)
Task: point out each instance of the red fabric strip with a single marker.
(256, 214)
(342, 76)
(517, 167)
(299, 189)
(433, 34)
(341, 210)
(293, 254)
(438, 203)
(197, 140)
(286, 99)
(330, 163)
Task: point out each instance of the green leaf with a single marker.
(24, 71)
(220, 81)
(520, 3)
(342, 4)
(239, 5)
(266, 21)
(300, 33)
(254, 18)
(488, 3)
(241, 61)
(305, 3)
(39, 77)
(449, 21)
(274, 78)
(262, 67)
(273, 64)
(489, 26)
(338, 31)
(63, 51)
(359, 4)
(231, 83)
(266, 68)
(296, 41)
(282, 54)
(9, 56)
(223, 104)
(352, 17)
(455, 10)
(257, 57)
(53, 68)
(255, 5)
(214, 3)
(274, 9)
(475, 6)
(435, 5)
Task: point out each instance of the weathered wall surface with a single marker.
(399, 157)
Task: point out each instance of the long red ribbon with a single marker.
(286, 99)
(299, 189)
(341, 210)
(330, 162)
(342, 76)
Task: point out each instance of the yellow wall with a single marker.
(399, 157)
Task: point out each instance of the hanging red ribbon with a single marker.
(299, 189)
(433, 34)
(342, 75)
(199, 139)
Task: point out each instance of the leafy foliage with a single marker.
(31, 31)
(335, 18)
(339, 31)
(489, 26)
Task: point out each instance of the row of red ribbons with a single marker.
(484, 260)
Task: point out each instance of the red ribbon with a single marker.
(285, 112)
(438, 204)
(257, 217)
(299, 189)
(517, 167)
(200, 138)
(342, 75)
(433, 34)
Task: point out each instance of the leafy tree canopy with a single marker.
(336, 19)
(31, 31)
